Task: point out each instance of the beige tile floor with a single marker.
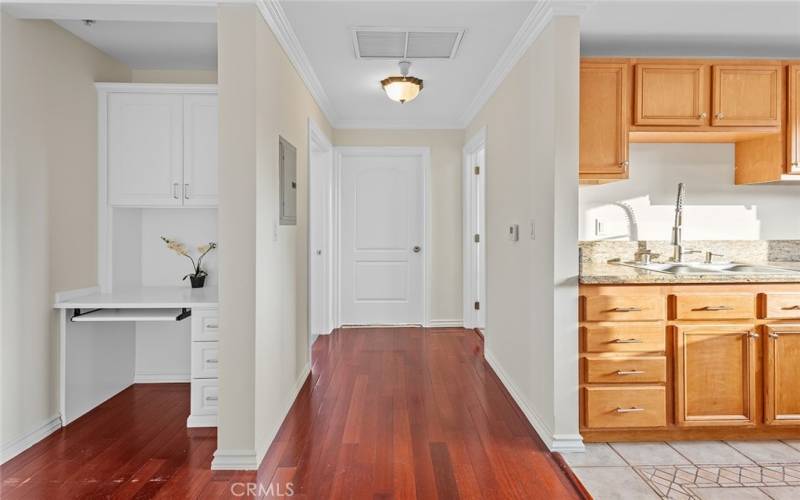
(705, 470)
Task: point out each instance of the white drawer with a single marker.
(204, 359)
(205, 396)
(205, 325)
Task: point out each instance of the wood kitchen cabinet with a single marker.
(715, 375)
(746, 95)
(793, 119)
(782, 375)
(603, 121)
(161, 145)
(671, 94)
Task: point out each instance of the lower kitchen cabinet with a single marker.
(782, 375)
(715, 375)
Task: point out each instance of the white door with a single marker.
(200, 150)
(145, 149)
(381, 236)
(475, 233)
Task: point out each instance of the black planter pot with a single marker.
(198, 281)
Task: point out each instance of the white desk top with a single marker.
(145, 297)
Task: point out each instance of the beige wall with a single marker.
(263, 266)
(445, 217)
(173, 76)
(531, 175)
(49, 203)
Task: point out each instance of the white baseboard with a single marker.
(554, 442)
(201, 421)
(446, 323)
(24, 442)
(251, 459)
(235, 460)
(161, 378)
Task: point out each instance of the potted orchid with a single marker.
(198, 277)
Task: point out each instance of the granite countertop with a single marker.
(618, 274)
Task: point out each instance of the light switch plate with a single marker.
(513, 232)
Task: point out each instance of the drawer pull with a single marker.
(626, 309)
(714, 308)
(212, 326)
(630, 372)
(211, 398)
(633, 409)
(791, 308)
(212, 361)
(752, 335)
(774, 335)
(626, 341)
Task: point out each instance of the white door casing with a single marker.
(474, 250)
(320, 233)
(200, 150)
(382, 236)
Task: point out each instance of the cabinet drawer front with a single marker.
(624, 307)
(205, 396)
(633, 369)
(632, 337)
(616, 407)
(715, 306)
(205, 359)
(205, 325)
(783, 305)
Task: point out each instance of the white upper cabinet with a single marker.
(161, 149)
(200, 150)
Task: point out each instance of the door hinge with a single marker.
(477, 238)
(477, 170)
(477, 306)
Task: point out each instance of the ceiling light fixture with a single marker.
(402, 88)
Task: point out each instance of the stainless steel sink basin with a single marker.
(698, 268)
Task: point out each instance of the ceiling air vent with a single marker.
(405, 43)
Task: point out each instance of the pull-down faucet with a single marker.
(677, 240)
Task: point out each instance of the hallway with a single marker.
(408, 413)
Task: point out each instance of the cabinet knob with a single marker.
(624, 164)
(702, 115)
(719, 116)
(752, 335)
(773, 335)
(795, 165)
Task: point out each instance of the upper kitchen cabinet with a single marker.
(158, 144)
(604, 99)
(671, 94)
(793, 121)
(746, 96)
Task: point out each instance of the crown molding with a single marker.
(537, 20)
(417, 124)
(275, 17)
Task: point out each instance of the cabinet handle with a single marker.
(175, 188)
(212, 361)
(752, 335)
(795, 165)
(212, 326)
(633, 409)
(626, 341)
(629, 372)
(719, 116)
(714, 308)
(774, 335)
(186, 191)
(626, 309)
(790, 308)
(212, 398)
(702, 115)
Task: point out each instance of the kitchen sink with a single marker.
(701, 268)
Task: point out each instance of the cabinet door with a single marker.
(748, 96)
(603, 118)
(145, 149)
(793, 125)
(782, 396)
(200, 124)
(715, 375)
(671, 94)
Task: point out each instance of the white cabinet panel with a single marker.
(145, 149)
(205, 397)
(200, 124)
(205, 359)
(205, 325)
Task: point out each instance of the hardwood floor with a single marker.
(387, 413)
(409, 413)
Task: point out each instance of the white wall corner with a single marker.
(262, 448)
(29, 439)
(276, 19)
(235, 460)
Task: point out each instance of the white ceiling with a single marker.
(352, 85)
(733, 28)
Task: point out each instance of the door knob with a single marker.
(417, 249)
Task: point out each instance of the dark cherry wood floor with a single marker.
(387, 413)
